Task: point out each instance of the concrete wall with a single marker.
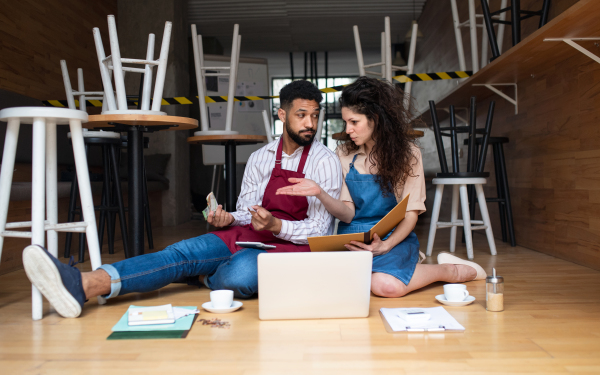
(136, 19)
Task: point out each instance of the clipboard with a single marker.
(382, 228)
(446, 323)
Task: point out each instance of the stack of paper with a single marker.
(182, 320)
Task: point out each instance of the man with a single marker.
(261, 216)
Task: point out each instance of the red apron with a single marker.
(284, 207)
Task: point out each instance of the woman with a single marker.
(382, 165)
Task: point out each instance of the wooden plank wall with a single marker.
(36, 35)
(553, 158)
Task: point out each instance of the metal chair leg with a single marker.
(82, 236)
(499, 191)
(113, 200)
(515, 15)
(103, 205)
(108, 200)
(509, 216)
(119, 196)
(71, 215)
(435, 215)
(489, 26)
(147, 219)
(544, 16)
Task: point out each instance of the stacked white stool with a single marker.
(44, 199)
(386, 58)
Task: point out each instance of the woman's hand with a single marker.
(220, 218)
(302, 187)
(377, 246)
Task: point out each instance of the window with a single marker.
(333, 122)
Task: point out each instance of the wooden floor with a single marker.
(551, 325)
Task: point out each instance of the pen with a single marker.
(433, 329)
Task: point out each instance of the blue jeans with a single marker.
(204, 255)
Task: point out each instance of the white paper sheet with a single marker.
(251, 89)
(180, 312)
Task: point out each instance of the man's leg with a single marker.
(195, 256)
(239, 274)
(66, 288)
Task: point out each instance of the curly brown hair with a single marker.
(382, 102)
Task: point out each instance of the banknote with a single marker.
(211, 200)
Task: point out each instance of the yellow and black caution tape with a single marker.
(432, 76)
(178, 100)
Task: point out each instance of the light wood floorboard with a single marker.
(551, 325)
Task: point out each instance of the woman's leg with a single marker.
(385, 285)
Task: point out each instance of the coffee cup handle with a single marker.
(466, 293)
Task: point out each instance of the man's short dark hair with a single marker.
(300, 89)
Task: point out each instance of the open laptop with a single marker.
(335, 284)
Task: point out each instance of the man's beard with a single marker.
(296, 137)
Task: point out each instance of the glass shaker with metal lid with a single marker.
(494, 292)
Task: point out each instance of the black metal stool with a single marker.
(503, 198)
(515, 22)
(112, 198)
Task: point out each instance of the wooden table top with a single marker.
(413, 133)
(222, 139)
(179, 123)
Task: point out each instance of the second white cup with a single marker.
(221, 299)
(455, 292)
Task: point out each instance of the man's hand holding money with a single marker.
(219, 218)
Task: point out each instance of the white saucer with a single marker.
(442, 299)
(208, 307)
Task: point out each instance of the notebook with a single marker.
(382, 228)
(150, 315)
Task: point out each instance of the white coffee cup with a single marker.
(455, 292)
(221, 299)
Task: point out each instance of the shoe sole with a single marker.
(42, 273)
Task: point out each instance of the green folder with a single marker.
(145, 335)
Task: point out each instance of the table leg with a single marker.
(135, 152)
(230, 191)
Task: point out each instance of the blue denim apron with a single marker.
(370, 207)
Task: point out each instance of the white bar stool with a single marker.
(114, 63)
(386, 58)
(459, 185)
(201, 73)
(44, 183)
